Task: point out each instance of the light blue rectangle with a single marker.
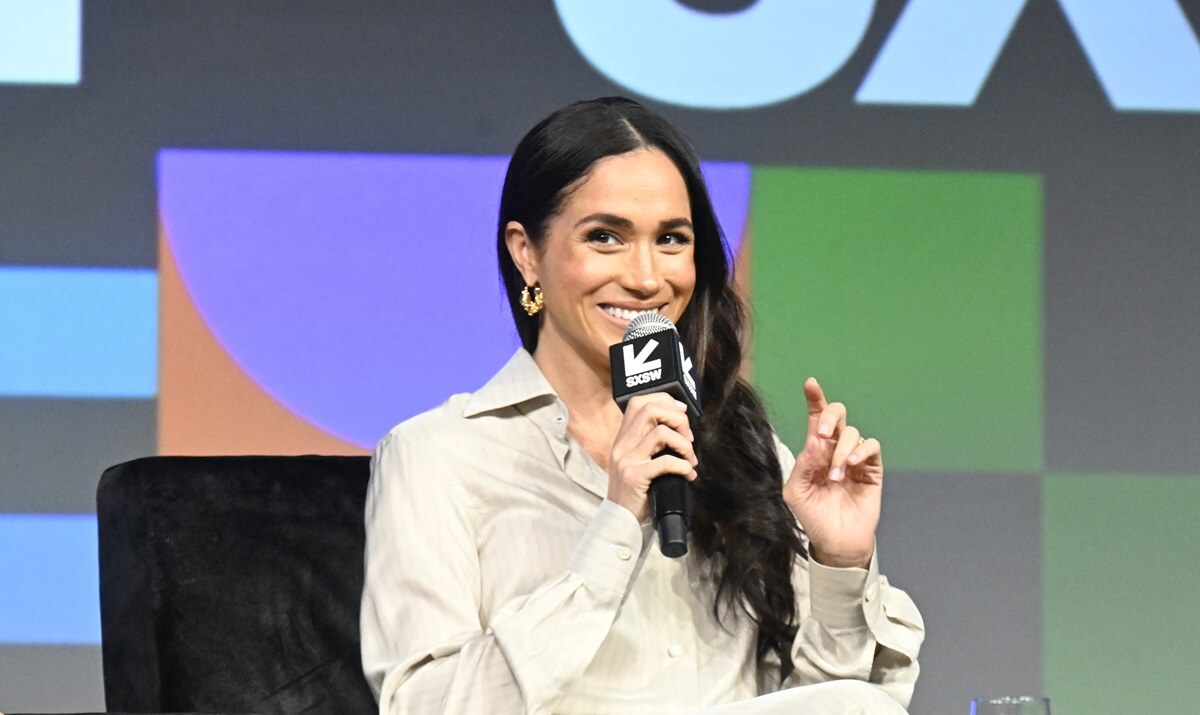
(78, 332)
(51, 579)
(1144, 52)
(940, 52)
(40, 41)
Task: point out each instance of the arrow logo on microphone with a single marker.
(638, 363)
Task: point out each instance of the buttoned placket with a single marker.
(572, 457)
(678, 646)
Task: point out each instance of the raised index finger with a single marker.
(815, 397)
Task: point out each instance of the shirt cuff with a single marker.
(608, 552)
(837, 595)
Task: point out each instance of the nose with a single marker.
(643, 274)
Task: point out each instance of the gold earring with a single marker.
(534, 305)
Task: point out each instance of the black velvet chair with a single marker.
(232, 584)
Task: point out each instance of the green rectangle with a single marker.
(1119, 579)
(915, 298)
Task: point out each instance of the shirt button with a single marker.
(623, 553)
(675, 650)
(871, 593)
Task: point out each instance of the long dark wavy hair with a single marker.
(739, 521)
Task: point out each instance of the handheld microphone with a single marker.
(651, 358)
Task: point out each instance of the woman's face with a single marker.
(621, 244)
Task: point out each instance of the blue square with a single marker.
(40, 41)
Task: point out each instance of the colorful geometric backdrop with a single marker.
(246, 228)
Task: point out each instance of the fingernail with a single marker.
(691, 436)
(835, 474)
(855, 458)
(825, 430)
(694, 474)
(681, 405)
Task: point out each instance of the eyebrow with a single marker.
(622, 222)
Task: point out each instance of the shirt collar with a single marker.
(520, 385)
(519, 381)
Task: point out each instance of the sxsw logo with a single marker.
(940, 52)
(686, 362)
(639, 369)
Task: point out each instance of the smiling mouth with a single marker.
(627, 315)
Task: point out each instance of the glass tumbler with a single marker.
(1009, 705)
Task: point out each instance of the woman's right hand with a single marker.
(651, 424)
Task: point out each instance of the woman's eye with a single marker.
(674, 239)
(601, 236)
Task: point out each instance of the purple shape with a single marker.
(729, 189)
(357, 290)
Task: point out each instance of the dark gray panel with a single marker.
(77, 182)
(967, 548)
(49, 679)
(55, 450)
(1122, 325)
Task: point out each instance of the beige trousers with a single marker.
(837, 697)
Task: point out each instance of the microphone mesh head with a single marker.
(647, 323)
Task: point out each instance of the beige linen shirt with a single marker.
(500, 580)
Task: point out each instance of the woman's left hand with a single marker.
(836, 486)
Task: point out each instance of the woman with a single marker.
(510, 564)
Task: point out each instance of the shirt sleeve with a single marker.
(853, 624)
(424, 643)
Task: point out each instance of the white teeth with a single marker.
(624, 314)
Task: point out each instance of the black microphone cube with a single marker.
(653, 363)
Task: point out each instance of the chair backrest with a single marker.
(232, 584)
